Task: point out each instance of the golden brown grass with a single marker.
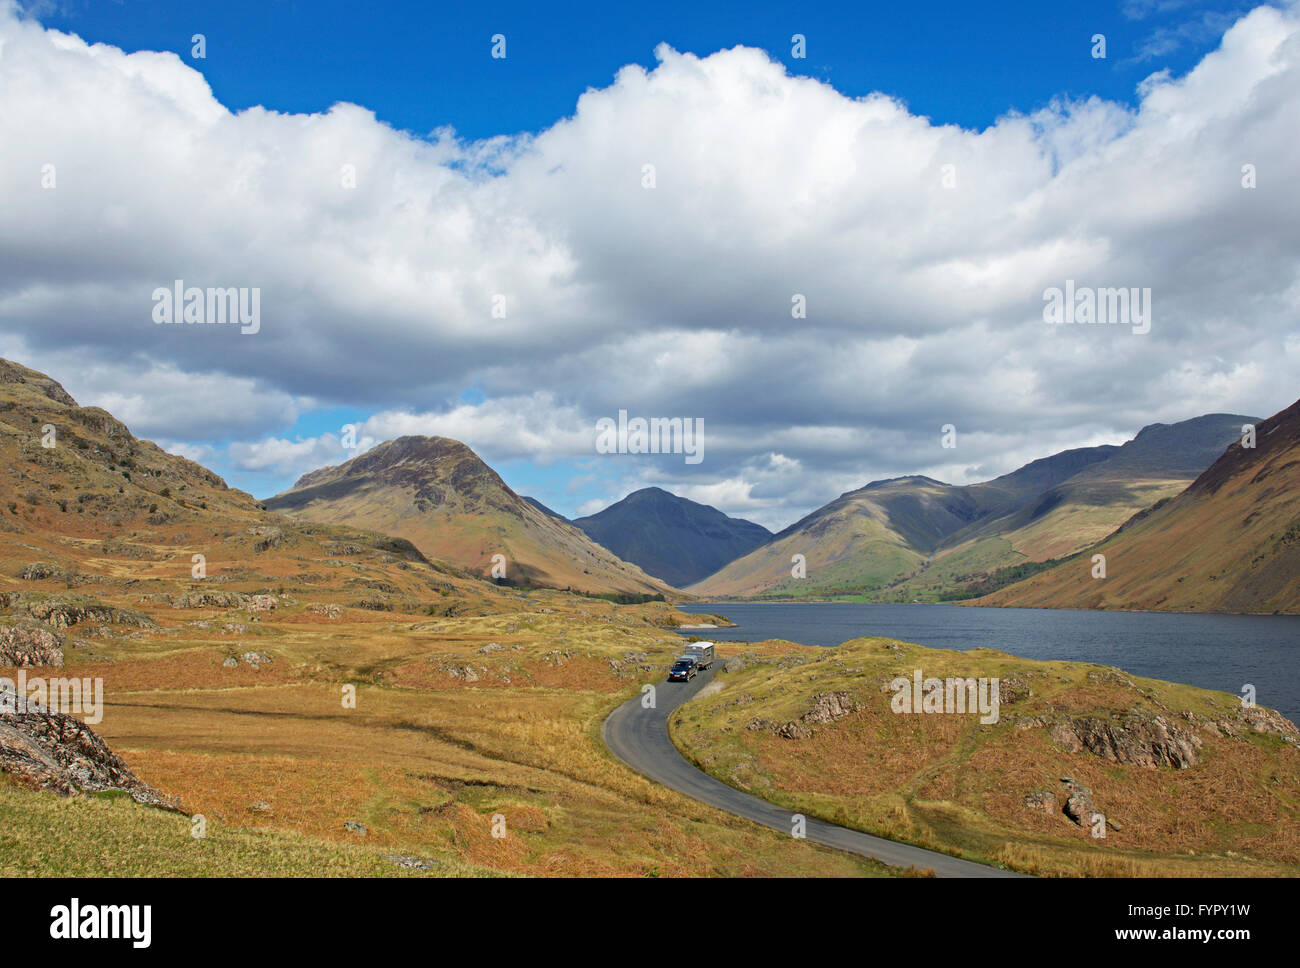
(945, 782)
(270, 755)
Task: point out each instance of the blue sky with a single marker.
(262, 413)
(421, 66)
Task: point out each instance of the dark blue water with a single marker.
(1212, 651)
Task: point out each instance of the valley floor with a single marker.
(462, 728)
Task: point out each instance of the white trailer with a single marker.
(702, 653)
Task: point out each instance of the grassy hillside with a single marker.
(444, 737)
(914, 538)
(848, 548)
(995, 792)
(1229, 542)
(1085, 515)
(113, 836)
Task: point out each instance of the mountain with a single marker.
(1087, 505)
(1229, 543)
(670, 537)
(92, 507)
(917, 538)
(438, 494)
(543, 508)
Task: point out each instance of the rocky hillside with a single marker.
(66, 459)
(439, 495)
(543, 508)
(1230, 542)
(92, 509)
(917, 538)
(670, 537)
(98, 527)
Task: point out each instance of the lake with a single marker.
(1212, 651)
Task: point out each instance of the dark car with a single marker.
(683, 670)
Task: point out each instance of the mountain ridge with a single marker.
(1229, 542)
(911, 536)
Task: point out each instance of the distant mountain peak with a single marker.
(1207, 418)
(647, 492)
(440, 495)
(902, 482)
(411, 457)
(671, 537)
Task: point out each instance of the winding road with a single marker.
(639, 737)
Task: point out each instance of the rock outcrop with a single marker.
(251, 603)
(1247, 718)
(53, 751)
(23, 646)
(1043, 801)
(1137, 737)
(62, 613)
(11, 372)
(827, 707)
(270, 537)
(1079, 805)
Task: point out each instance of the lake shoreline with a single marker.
(684, 606)
(1213, 650)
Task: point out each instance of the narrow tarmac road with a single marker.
(639, 737)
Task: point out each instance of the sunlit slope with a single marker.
(438, 494)
(852, 542)
(1230, 542)
(99, 512)
(917, 538)
(1189, 782)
